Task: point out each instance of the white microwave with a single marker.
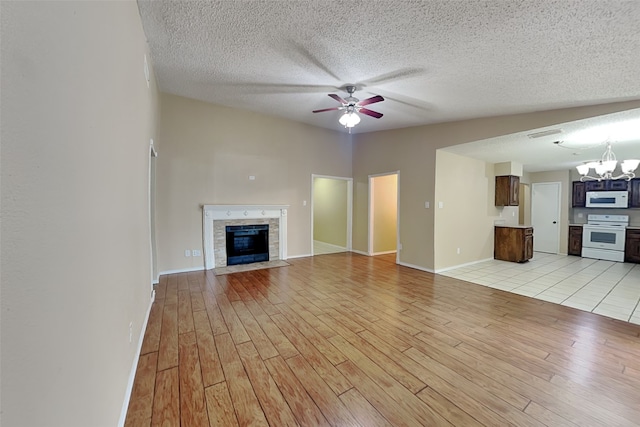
(607, 199)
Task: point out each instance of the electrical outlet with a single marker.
(187, 252)
(458, 251)
(400, 246)
(130, 332)
(195, 252)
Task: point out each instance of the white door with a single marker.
(545, 216)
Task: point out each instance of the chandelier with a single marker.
(605, 167)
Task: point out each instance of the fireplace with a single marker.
(247, 243)
(216, 219)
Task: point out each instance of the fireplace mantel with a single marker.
(211, 213)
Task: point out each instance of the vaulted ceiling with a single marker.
(433, 61)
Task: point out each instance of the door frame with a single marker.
(558, 185)
(370, 213)
(153, 154)
(349, 206)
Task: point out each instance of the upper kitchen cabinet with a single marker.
(606, 185)
(634, 193)
(507, 190)
(578, 197)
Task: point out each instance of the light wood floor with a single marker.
(349, 340)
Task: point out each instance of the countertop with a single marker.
(512, 226)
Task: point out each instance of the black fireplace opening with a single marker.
(247, 243)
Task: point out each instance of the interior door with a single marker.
(545, 216)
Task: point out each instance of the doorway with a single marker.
(545, 216)
(331, 208)
(383, 214)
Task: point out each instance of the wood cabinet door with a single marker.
(634, 193)
(514, 191)
(618, 185)
(632, 246)
(507, 190)
(578, 197)
(528, 247)
(575, 240)
(595, 186)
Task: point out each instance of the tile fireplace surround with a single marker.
(216, 217)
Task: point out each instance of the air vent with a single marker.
(544, 133)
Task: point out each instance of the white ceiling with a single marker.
(433, 61)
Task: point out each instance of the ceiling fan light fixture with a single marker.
(349, 119)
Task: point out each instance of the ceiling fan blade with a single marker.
(337, 98)
(327, 109)
(370, 112)
(371, 100)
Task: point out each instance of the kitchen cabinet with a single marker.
(507, 190)
(575, 240)
(634, 193)
(632, 246)
(607, 185)
(578, 196)
(513, 243)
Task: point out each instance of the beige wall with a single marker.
(466, 188)
(412, 151)
(524, 211)
(77, 117)
(385, 213)
(209, 152)
(330, 211)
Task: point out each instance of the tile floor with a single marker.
(608, 288)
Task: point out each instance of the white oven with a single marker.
(607, 199)
(603, 237)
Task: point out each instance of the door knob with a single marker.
(554, 222)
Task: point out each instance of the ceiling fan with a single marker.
(351, 106)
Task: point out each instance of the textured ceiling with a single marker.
(433, 61)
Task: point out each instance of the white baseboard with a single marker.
(385, 252)
(417, 267)
(442, 270)
(132, 374)
(298, 256)
(331, 246)
(181, 270)
(359, 252)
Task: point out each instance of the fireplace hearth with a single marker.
(247, 243)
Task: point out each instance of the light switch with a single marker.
(441, 205)
(426, 205)
(304, 203)
(252, 178)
